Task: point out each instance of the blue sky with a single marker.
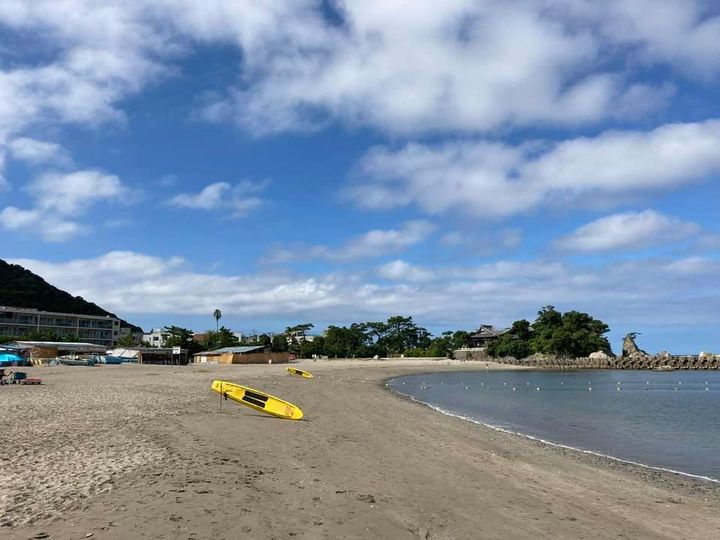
(463, 163)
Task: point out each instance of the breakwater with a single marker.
(650, 362)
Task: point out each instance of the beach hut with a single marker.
(242, 355)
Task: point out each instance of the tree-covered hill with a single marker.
(19, 287)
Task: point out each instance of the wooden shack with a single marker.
(243, 355)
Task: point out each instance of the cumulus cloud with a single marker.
(677, 32)
(632, 292)
(399, 270)
(492, 179)
(59, 198)
(628, 230)
(449, 66)
(37, 152)
(453, 67)
(240, 199)
(371, 244)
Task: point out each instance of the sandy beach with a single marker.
(152, 452)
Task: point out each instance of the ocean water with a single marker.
(669, 420)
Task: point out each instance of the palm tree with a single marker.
(217, 314)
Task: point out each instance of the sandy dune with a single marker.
(151, 452)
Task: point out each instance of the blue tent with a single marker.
(9, 358)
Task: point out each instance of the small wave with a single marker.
(552, 443)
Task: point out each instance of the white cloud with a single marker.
(399, 270)
(469, 66)
(678, 32)
(36, 152)
(484, 242)
(491, 179)
(451, 66)
(374, 243)
(240, 200)
(628, 230)
(51, 228)
(58, 201)
(70, 193)
(638, 293)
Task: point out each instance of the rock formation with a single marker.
(630, 348)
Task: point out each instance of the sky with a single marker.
(462, 162)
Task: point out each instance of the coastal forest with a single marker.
(570, 334)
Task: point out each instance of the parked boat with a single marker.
(76, 361)
(108, 359)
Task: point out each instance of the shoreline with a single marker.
(549, 443)
(151, 452)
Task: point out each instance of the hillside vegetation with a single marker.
(19, 287)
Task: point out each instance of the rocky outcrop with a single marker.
(630, 348)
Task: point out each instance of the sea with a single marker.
(664, 420)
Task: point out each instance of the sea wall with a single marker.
(599, 361)
(618, 362)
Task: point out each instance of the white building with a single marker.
(156, 337)
(95, 329)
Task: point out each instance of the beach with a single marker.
(151, 452)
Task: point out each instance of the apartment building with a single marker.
(99, 330)
(156, 337)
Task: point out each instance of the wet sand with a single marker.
(152, 452)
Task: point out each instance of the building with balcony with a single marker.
(95, 329)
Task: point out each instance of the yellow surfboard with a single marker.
(260, 401)
(300, 372)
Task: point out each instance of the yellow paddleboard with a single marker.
(260, 401)
(300, 372)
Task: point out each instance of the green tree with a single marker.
(181, 337)
(346, 342)
(217, 314)
(279, 343)
(128, 340)
(401, 334)
(222, 338)
(548, 321)
(459, 339)
(264, 340)
(570, 334)
(314, 347)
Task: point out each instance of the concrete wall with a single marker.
(649, 362)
